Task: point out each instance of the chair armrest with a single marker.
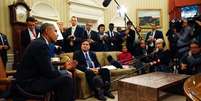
(10, 72)
(80, 74)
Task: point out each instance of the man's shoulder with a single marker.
(77, 52)
(39, 41)
(158, 31)
(92, 31)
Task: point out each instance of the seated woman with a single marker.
(160, 58)
(125, 57)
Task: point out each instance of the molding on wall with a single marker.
(39, 11)
(76, 2)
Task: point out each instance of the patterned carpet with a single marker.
(165, 97)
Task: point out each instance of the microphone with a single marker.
(106, 2)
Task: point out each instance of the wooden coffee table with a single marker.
(146, 87)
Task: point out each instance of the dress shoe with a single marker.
(110, 95)
(101, 97)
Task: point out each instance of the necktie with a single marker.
(33, 32)
(111, 34)
(1, 40)
(88, 60)
(89, 35)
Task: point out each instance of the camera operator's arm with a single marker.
(198, 22)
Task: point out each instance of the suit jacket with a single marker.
(36, 63)
(158, 34)
(25, 38)
(95, 37)
(115, 41)
(82, 64)
(3, 52)
(79, 35)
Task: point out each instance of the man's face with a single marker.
(85, 46)
(60, 25)
(74, 21)
(153, 27)
(88, 26)
(111, 27)
(184, 24)
(51, 32)
(195, 49)
(31, 25)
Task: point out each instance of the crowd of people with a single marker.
(36, 74)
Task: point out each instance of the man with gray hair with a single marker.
(37, 75)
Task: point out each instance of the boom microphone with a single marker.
(106, 2)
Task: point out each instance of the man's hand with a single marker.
(198, 22)
(95, 70)
(5, 47)
(70, 65)
(183, 66)
(1, 47)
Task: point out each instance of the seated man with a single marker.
(98, 78)
(37, 75)
(191, 62)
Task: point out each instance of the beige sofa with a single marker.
(82, 87)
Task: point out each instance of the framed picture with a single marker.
(146, 17)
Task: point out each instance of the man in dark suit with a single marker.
(98, 78)
(91, 35)
(37, 75)
(130, 37)
(30, 33)
(73, 36)
(114, 39)
(4, 46)
(151, 37)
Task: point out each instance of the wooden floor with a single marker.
(165, 97)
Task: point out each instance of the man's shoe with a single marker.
(102, 98)
(100, 95)
(110, 95)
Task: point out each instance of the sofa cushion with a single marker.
(101, 58)
(117, 72)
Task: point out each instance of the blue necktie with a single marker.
(88, 60)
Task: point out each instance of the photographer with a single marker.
(185, 36)
(197, 29)
(191, 62)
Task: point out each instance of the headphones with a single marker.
(160, 40)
